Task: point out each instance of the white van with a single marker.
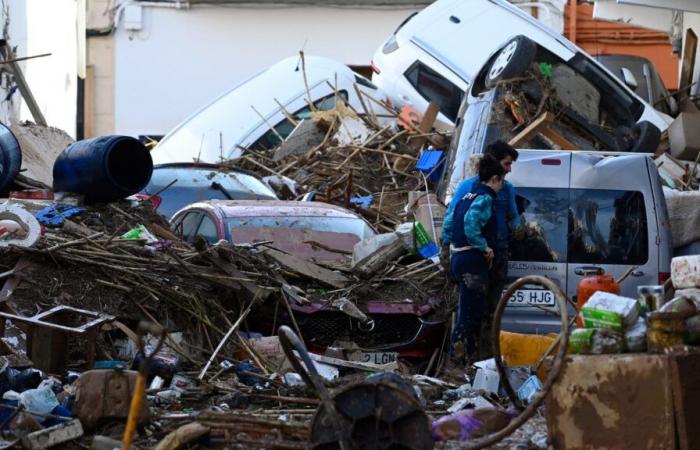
(244, 116)
(437, 54)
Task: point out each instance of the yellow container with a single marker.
(525, 349)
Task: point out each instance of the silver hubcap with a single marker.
(500, 64)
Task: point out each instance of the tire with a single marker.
(10, 157)
(645, 137)
(513, 60)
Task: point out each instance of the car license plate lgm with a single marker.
(373, 357)
(530, 297)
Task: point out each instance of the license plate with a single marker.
(373, 357)
(529, 297)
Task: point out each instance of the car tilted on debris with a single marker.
(438, 55)
(174, 186)
(256, 113)
(323, 237)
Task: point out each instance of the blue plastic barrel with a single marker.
(10, 157)
(103, 169)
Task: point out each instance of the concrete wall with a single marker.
(181, 59)
(43, 26)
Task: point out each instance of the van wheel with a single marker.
(645, 137)
(513, 60)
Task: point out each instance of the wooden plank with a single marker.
(557, 138)
(89, 102)
(426, 125)
(532, 129)
(688, 64)
(308, 269)
(23, 86)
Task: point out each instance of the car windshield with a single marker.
(584, 226)
(326, 225)
(319, 239)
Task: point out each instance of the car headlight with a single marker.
(390, 45)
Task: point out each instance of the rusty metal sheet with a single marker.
(686, 398)
(612, 402)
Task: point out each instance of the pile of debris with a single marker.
(355, 160)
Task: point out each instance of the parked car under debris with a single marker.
(325, 235)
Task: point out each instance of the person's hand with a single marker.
(488, 254)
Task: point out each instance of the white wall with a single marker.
(182, 59)
(44, 26)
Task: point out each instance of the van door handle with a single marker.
(587, 269)
(637, 273)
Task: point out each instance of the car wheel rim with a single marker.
(504, 58)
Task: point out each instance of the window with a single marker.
(207, 229)
(362, 81)
(188, 225)
(357, 227)
(271, 139)
(545, 214)
(582, 226)
(434, 87)
(608, 227)
(617, 104)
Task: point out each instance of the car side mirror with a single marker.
(629, 78)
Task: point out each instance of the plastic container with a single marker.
(592, 282)
(103, 169)
(10, 157)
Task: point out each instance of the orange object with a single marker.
(599, 37)
(593, 282)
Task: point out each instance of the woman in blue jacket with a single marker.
(471, 229)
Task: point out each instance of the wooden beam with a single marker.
(557, 138)
(531, 129)
(688, 65)
(23, 86)
(89, 102)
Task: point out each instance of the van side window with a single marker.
(434, 87)
(608, 227)
(545, 215)
(284, 128)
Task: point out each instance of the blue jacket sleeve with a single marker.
(447, 226)
(474, 220)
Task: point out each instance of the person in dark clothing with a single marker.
(471, 229)
(509, 224)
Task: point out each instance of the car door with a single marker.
(186, 225)
(613, 222)
(541, 180)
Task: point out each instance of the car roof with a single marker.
(436, 33)
(230, 117)
(229, 209)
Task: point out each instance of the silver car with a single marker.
(581, 210)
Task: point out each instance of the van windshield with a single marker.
(582, 226)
